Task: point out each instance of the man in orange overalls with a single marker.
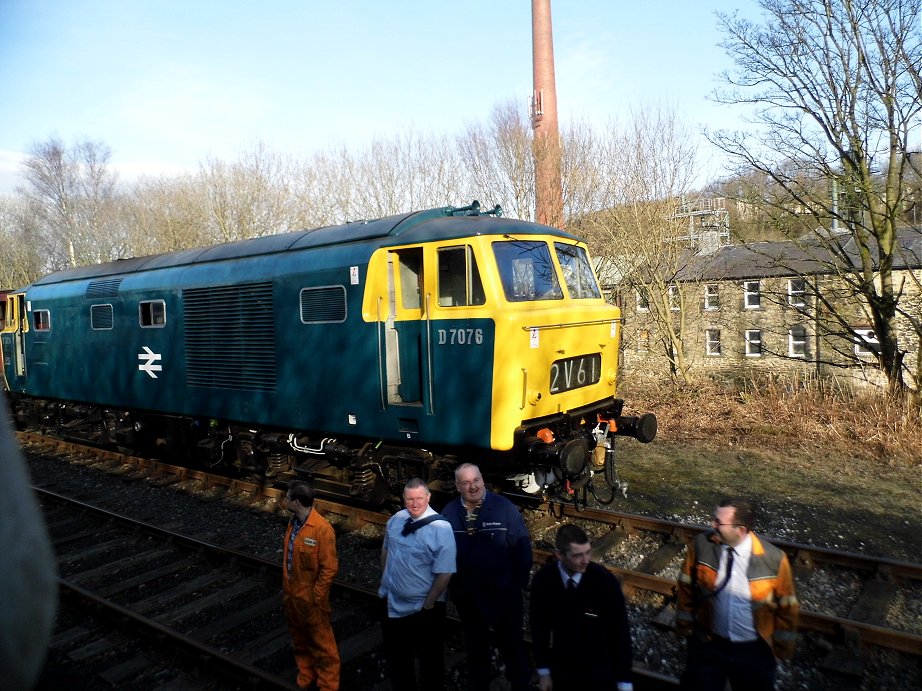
(310, 563)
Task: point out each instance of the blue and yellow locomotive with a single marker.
(364, 353)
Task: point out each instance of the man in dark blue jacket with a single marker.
(579, 627)
(494, 563)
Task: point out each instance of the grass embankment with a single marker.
(827, 466)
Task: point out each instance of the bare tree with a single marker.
(650, 165)
(72, 191)
(249, 197)
(407, 171)
(499, 160)
(21, 260)
(165, 214)
(835, 86)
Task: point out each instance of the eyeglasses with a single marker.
(714, 521)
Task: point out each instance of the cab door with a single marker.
(403, 331)
(14, 341)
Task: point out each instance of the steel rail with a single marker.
(225, 665)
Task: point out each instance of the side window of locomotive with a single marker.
(577, 272)
(42, 320)
(411, 273)
(459, 278)
(152, 314)
(101, 317)
(526, 271)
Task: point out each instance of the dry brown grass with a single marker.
(786, 415)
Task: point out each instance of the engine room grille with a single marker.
(323, 305)
(103, 288)
(230, 337)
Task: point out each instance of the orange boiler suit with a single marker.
(306, 598)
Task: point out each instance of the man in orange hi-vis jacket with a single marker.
(736, 605)
(310, 563)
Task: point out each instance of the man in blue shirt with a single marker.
(494, 563)
(417, 561)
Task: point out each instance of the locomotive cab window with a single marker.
(577, 272)
(42, 320)
(459, 278)
(411, 271)
(526, 271)
(152, 313)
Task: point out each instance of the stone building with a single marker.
(773, 307)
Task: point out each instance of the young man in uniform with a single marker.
(310, 563)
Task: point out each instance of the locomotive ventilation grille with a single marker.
(105, 288)
(230, 337)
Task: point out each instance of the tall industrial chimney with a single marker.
(546, 138)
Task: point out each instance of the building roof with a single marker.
(808, 255)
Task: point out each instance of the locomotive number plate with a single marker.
(575, 372)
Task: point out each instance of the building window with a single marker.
(797, 342)
(643, 341)
(152, 314)
(753, 343)
(797, 292)
(675, 298)
(711, 297)
(42, 320)
(866, 342)
(643, 301)
(752, 295)
(712, 341)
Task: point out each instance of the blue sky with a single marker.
(167, 84)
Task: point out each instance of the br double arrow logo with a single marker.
(151, 357)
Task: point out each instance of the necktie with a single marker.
(571, 584)
(730, 553)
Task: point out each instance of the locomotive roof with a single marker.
(419, 226)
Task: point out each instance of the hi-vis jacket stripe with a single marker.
(775, 609)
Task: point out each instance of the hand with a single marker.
(428, 605)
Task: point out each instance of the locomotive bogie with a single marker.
(373, 350)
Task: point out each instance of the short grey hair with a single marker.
(415, 482)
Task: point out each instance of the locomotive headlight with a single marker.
(611, 376)
(534, 396)
(573, 457)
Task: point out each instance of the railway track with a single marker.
(840, 634)
(169, 596)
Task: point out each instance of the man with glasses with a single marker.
(736, 604)
(494, 562)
